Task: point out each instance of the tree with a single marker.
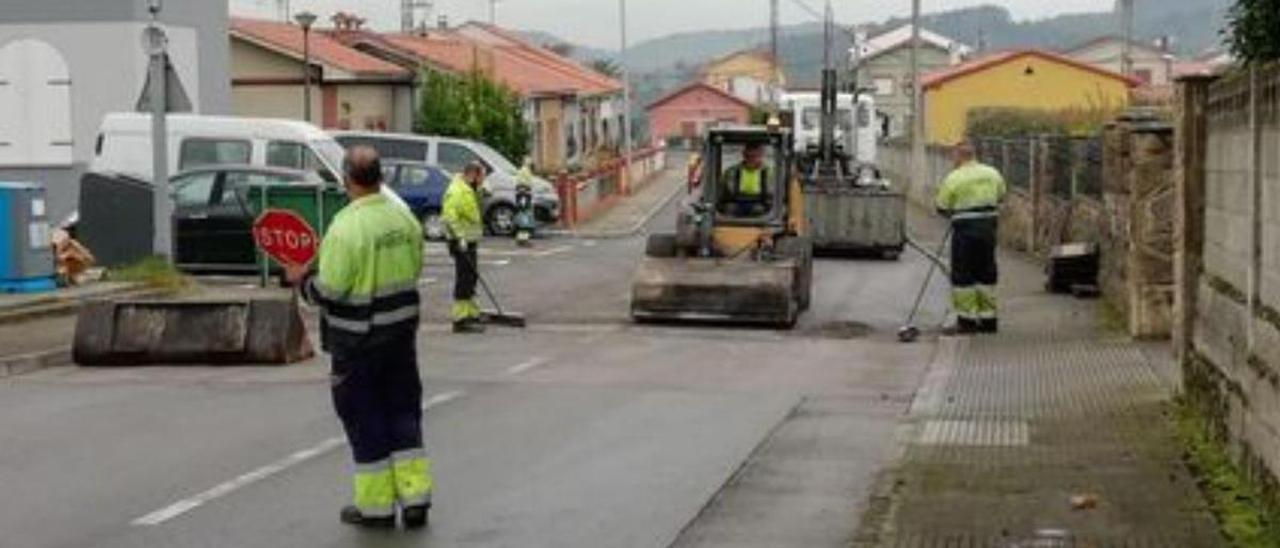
(606, 67)
(473, 106)
(1252, 30)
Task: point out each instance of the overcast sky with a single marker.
(595, 22)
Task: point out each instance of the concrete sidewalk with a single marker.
(629, 216)
(1053, 433)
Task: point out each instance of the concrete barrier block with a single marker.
(244, 332)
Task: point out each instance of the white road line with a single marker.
(526, 366)
(323, 448)
(553, 251)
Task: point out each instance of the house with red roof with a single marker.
(683, 115)
(351, 89)
(1026, 79)
(572, 111)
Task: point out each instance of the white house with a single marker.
(64, 64)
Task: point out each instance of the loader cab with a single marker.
(731, 152)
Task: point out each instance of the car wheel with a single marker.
(502, 220)
(433, 226)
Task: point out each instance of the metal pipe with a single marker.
(626, 102)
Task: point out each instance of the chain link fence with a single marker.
(1068, 166)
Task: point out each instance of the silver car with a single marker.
(452, 155)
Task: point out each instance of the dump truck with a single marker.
(725, 263)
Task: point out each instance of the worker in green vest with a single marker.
(970, 197)
(744, 188)
(366, 287)
(464, 227)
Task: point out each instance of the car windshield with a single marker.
(332, 152)
(495, 158)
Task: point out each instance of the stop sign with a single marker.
(285, 237)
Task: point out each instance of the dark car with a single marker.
(213, 222)
(421, 186)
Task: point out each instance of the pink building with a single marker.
(684, 114)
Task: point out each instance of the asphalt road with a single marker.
(583, 431)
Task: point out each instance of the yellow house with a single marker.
(750, 75)
(1021, 79)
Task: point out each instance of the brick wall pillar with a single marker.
(1189, 185)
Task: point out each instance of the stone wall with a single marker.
(1230, 312)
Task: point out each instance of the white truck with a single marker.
(856, 129)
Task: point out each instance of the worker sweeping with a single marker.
(464, 227)
(971, 196)
(367, 288)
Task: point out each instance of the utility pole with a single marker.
(773, 52)
(917, 102)
(493, 12)
(162, 217)
(1126, 21)
(626, 101)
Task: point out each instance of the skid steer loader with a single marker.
(726, 263)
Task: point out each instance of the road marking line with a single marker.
(553, 251)
(323, 448)
(526, 366)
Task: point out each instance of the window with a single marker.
(813, 119)
(884, 86)
(35, 105)
(297, 156)
(1144, 75)
(414, 175)
(453, 157)
(391, 149)
(237, 183)
(204, 152)
(194, 190)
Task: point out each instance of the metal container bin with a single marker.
(26, 257)
(865, 219)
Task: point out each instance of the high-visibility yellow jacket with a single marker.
(972, 191)
(461, 211)
(367, 281)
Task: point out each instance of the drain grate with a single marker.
(976, 433)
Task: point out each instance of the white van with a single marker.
(124, 145)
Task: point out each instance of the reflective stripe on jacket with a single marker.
(367, 284)
(972, 191)
(461, 211)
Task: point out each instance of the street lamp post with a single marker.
(917, 103)
(626, 101)
(305, 20)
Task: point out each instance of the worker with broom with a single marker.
(970, 197)
(464, 228)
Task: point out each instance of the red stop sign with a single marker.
(285, 237)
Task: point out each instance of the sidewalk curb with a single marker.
(13, 366)
(624, 233)
(60, 306)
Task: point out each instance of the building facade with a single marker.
(350, 89)
(884, 68)
(66, 64)
(753, 76)
(681, 117)
(1022, 79)
(1152, 65)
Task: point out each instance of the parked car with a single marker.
(452, 155)
(421, 186)
(213, 221)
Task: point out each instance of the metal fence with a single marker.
(1066, 166)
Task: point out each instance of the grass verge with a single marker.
(1236, 502)
(151, 271)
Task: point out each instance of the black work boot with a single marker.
(352, 516)
(416, 517)
(963, 327)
